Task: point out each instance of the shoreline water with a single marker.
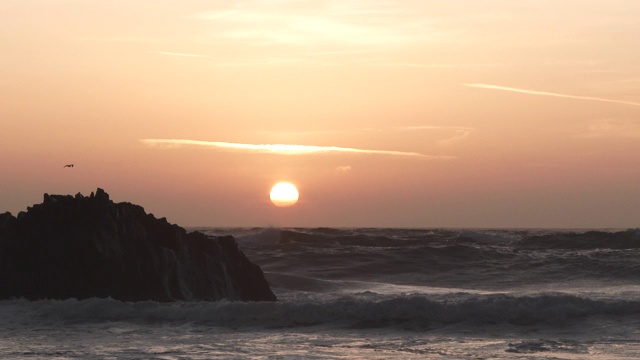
(376, 294)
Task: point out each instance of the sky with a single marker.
(467, 113)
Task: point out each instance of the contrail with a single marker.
(285, 149)
(546, 93)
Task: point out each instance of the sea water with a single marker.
(373, 294)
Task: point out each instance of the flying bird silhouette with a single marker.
(69, 165)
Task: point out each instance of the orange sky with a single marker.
(494, 113)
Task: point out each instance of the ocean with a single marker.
(373, 294)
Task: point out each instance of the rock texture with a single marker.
(80, 247)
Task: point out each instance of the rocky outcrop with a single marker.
(81, 247)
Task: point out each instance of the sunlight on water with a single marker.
(165, 342)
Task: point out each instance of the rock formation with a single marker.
(81, 247)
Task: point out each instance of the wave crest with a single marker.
(360, 310)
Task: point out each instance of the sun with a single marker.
(284, 194)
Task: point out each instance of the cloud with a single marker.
(545, 93)
(301, 133)
(349, 24)
(612, 128)
(177, 54)
(385, 33)
(434, 65)
(331, 32)
(461, 132)
(380, 129)
(345, 168)
(285, 149)
(271, 61)
(435, 127)
(449, 134)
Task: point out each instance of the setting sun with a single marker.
(284, 194)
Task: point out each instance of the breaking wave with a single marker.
(360, 310)
(499, 259)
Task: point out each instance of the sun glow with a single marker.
(284, 194)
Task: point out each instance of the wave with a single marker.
(551, 239)
(328, 236)
(313, 259)
(629, 239)
(370, 241)
(356, 311)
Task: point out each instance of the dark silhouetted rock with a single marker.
(81, 247)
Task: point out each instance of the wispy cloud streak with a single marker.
(177, 54)
(286, 149)
(461, 132)
(546, 93)
(434, 65)
(612, 128)
(339, 25)
(435, 127)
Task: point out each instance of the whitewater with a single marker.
(373, 294)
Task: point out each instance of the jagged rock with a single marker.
(80, 247)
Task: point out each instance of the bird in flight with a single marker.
(68, 165)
